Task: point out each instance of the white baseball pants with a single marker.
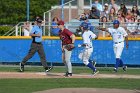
(85, 55)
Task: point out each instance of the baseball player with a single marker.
(88, 47)
(118, 34)
(67, 39)
(36, 46)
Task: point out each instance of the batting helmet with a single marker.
(84, 25)
(116, 22)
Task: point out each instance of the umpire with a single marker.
(36, 46)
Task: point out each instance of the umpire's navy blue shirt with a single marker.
(37, 30)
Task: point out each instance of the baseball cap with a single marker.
(61, 22)
(84, 25)
(39, 20)
(106, 4)
(93, 5)
(116, 22)
(122, 4)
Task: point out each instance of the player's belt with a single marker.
(37, 42)
(118, 42)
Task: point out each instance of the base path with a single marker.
(60, 75)
(87, 90)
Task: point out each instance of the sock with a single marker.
(91, 66)
(117, 63)
(121, 62)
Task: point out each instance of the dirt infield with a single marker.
(88, 90)
(60, 75)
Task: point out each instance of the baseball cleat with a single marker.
(95, 72)
(124, 68)
(21, 67)
(68, 74)
(48, 68)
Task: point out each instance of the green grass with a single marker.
(31, 85)
(77, 70)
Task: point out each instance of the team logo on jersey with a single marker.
(62, 37)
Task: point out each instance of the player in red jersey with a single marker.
(67, 40)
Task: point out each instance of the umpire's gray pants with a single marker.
(66, 59)
(36, 48)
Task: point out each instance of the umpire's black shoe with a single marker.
(48, 68)
(124, 68)
(68, 74)
(21, 67)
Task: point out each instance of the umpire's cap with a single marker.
(61, 22)
(116, 22)
(84, 25)
(39, 20)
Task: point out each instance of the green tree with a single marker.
(14, 11)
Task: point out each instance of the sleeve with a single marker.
(109, 30)
(53, 24)
(124, 32)
(93, 35)
(33, 30)
(69, 33)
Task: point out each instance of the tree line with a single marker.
(14, 11)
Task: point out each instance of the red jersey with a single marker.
(65, 36)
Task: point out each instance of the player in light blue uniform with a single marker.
(119, 35)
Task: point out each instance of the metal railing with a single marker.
(15, 31)
(73, 27)
(49, 15)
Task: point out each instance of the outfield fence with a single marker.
(14, 49)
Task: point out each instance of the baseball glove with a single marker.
(69, 47)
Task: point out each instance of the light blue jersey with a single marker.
(37, 30)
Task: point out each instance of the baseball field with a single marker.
(35, 80)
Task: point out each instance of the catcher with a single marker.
(68, 39)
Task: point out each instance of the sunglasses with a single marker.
(118, 14)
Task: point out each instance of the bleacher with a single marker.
(74, 24)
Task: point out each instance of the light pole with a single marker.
(62, 9)
(28, 9)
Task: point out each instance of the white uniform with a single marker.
(118, 36)
(87, 39)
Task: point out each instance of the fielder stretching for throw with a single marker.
(88, 48)
(118, 34)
